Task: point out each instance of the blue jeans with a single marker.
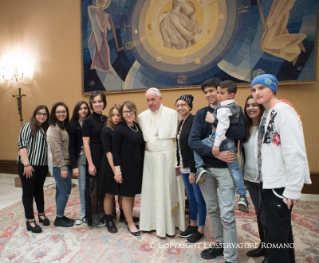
(226, 145)
(63, 189)
(197, 203)
(81, 178)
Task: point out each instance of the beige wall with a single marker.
(47, 33)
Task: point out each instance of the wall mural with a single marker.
(137, 44)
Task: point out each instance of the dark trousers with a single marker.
(33, 188)
(254, 192)
(279, 230)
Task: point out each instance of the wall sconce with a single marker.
(11, 70)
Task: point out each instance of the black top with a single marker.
(186, 151)
(75, 142)
(106, 138)
(36, 146)
(128, 152)
(92, 127)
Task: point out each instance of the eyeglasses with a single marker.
(60, 112)
(128, 112)
(42, 114)
(183, 105)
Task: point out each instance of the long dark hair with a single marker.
(34, 123)
(248, 122)
(75, 114)
(54, 120)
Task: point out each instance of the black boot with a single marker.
(260, 251)
(45, 221)
(33, 229)
(109, 224)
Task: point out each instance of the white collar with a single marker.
(226, 102)
(159, 110)
(213, 106)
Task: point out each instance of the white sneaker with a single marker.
(80, 220)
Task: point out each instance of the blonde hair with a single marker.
(131, 106)
(109, 122)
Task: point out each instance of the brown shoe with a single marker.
(110, 225)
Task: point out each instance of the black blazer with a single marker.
(122, 149)
(186, 151)
(75, 142)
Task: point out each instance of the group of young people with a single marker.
(107, 154)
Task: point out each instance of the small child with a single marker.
(227, 114)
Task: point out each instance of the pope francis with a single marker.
(163, 197)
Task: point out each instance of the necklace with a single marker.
(133, 129)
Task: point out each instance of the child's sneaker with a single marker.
(200, 176)
(243, 205)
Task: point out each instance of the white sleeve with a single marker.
(293, 149)
(223, 125)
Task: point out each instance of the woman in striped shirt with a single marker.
(33, 166)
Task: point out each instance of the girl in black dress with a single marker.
(107, 186)
(91, 131)
(128, 156)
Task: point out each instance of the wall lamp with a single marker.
(12, 71)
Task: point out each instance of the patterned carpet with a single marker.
(96, 244)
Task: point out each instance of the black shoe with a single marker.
(189, 231)
(68, 219)
(195, 237)
(258, 252)
(45, 221)
(266, 260)
(61, 221)
(136, 234)
(213, 252)
(109, 224)
(33, 229)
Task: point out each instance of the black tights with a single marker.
(33, 188)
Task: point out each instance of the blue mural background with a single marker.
(236, 56)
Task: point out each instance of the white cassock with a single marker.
(163, 196)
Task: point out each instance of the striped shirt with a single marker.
(36, 146)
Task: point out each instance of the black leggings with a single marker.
(33, 187)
